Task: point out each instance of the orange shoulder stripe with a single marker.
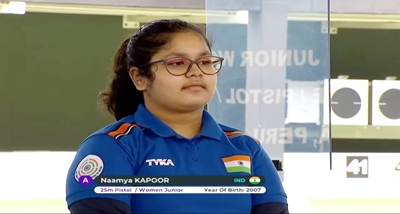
(123, 129)
(235, 133)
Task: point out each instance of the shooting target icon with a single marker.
(385, 102)
(348, 101)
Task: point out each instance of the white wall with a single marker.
(40, 175)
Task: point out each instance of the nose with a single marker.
(194, 70)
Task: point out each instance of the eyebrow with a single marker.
(180, 54)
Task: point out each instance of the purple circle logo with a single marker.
(85, 180)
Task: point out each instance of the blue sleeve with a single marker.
(272, 207)
(98, 155)
(263, 166)
(99, 205)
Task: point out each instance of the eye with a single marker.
(177, 62)
(211, 61)
(207, 60)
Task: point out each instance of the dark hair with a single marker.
(121, 97)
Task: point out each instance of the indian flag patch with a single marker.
(237, 163)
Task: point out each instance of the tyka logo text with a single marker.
(160, 162)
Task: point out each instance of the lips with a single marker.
(195, 85)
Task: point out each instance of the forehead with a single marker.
(185, 43)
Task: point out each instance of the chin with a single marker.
(194, 105)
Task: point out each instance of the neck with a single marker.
(186, 124)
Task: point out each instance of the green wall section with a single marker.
(365, 53)
(52, 68)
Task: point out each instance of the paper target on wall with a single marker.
(303, 102)
(349, 101)
(385, 102)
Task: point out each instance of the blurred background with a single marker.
(314, 81)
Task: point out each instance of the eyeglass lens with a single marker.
(179, 65)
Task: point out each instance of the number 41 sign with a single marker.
(357, 167)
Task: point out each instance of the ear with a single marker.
(139, 81)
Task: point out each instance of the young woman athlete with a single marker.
(164, 75)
